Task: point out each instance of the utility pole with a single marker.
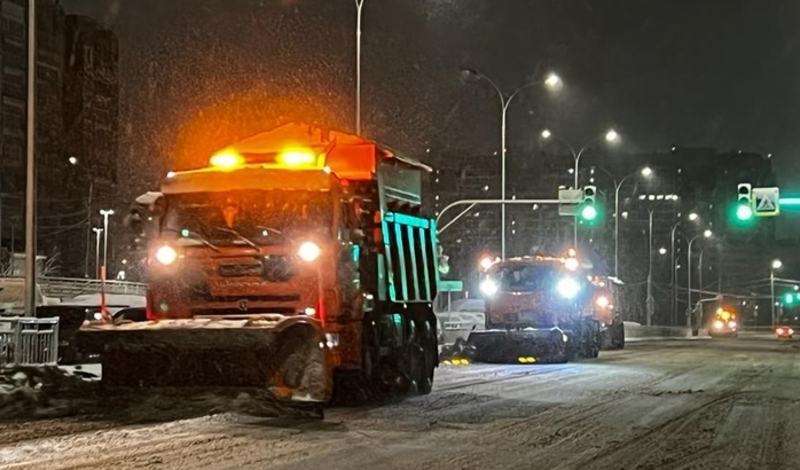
(776, 264)
(30, 188)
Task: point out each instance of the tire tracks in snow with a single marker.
(671, 435)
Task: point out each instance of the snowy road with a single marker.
(682, 404)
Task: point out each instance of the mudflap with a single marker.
(613, 337)
(518, 346)
(289, 360)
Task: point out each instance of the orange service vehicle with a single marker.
(546, 309)
(725, 323)
(296, 260)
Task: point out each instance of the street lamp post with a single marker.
(776, 264)
(106, 213)
(89, 203)
(30, 180)
(551, 81)
(650, 299)
(611, 136)
(98, 232)
(104, 269)
(705, 234)
(647, 173)
(693, 217)
(359, 8)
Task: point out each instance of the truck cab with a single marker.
(298, 228)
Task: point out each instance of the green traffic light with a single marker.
(744, 212)
(788, 299)
(589, 213)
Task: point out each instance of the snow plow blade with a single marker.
(284, 356)
(518, 346)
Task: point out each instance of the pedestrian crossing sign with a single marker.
(766, 202)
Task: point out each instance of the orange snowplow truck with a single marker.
(546, 309)
(296, 260)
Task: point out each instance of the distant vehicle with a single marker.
(545, 309)
(787, 326)
(724, 323)
(784, 332)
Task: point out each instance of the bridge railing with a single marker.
(67, 286)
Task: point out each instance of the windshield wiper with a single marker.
(194, 236)
(240, 237)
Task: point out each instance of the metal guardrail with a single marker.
(28, 341)
(67, 286)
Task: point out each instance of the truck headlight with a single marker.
(309, 251)
(732, 324)
(166, 255)
(568, 288)
(489, 287)
(718, 325)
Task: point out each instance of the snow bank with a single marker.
(29, 392)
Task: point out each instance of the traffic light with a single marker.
(744, 204)
(788, 299)
(589, 211)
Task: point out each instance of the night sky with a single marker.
(720, 74)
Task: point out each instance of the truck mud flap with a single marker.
(514, 347)
(288, 360)
(613, 337)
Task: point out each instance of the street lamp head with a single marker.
(97, 230)
(647, 172)
(612, 136)
(707, 233)
(546, 134)
(469, 73)
(486, 262)
(106, 212)
(694, 217)
(662, 251)
(552, 80)
(73, 160)
(777, 264)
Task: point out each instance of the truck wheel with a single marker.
(424, 374)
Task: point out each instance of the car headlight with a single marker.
(718, 325)
(309, 251)
(166, 255)
(568, 288)
(732, 324)
(489, 287)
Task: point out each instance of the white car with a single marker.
(465, 315)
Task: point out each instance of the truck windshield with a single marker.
(251, 216)
(527, 278)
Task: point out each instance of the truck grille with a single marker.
(240, 270)
(271, 268)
